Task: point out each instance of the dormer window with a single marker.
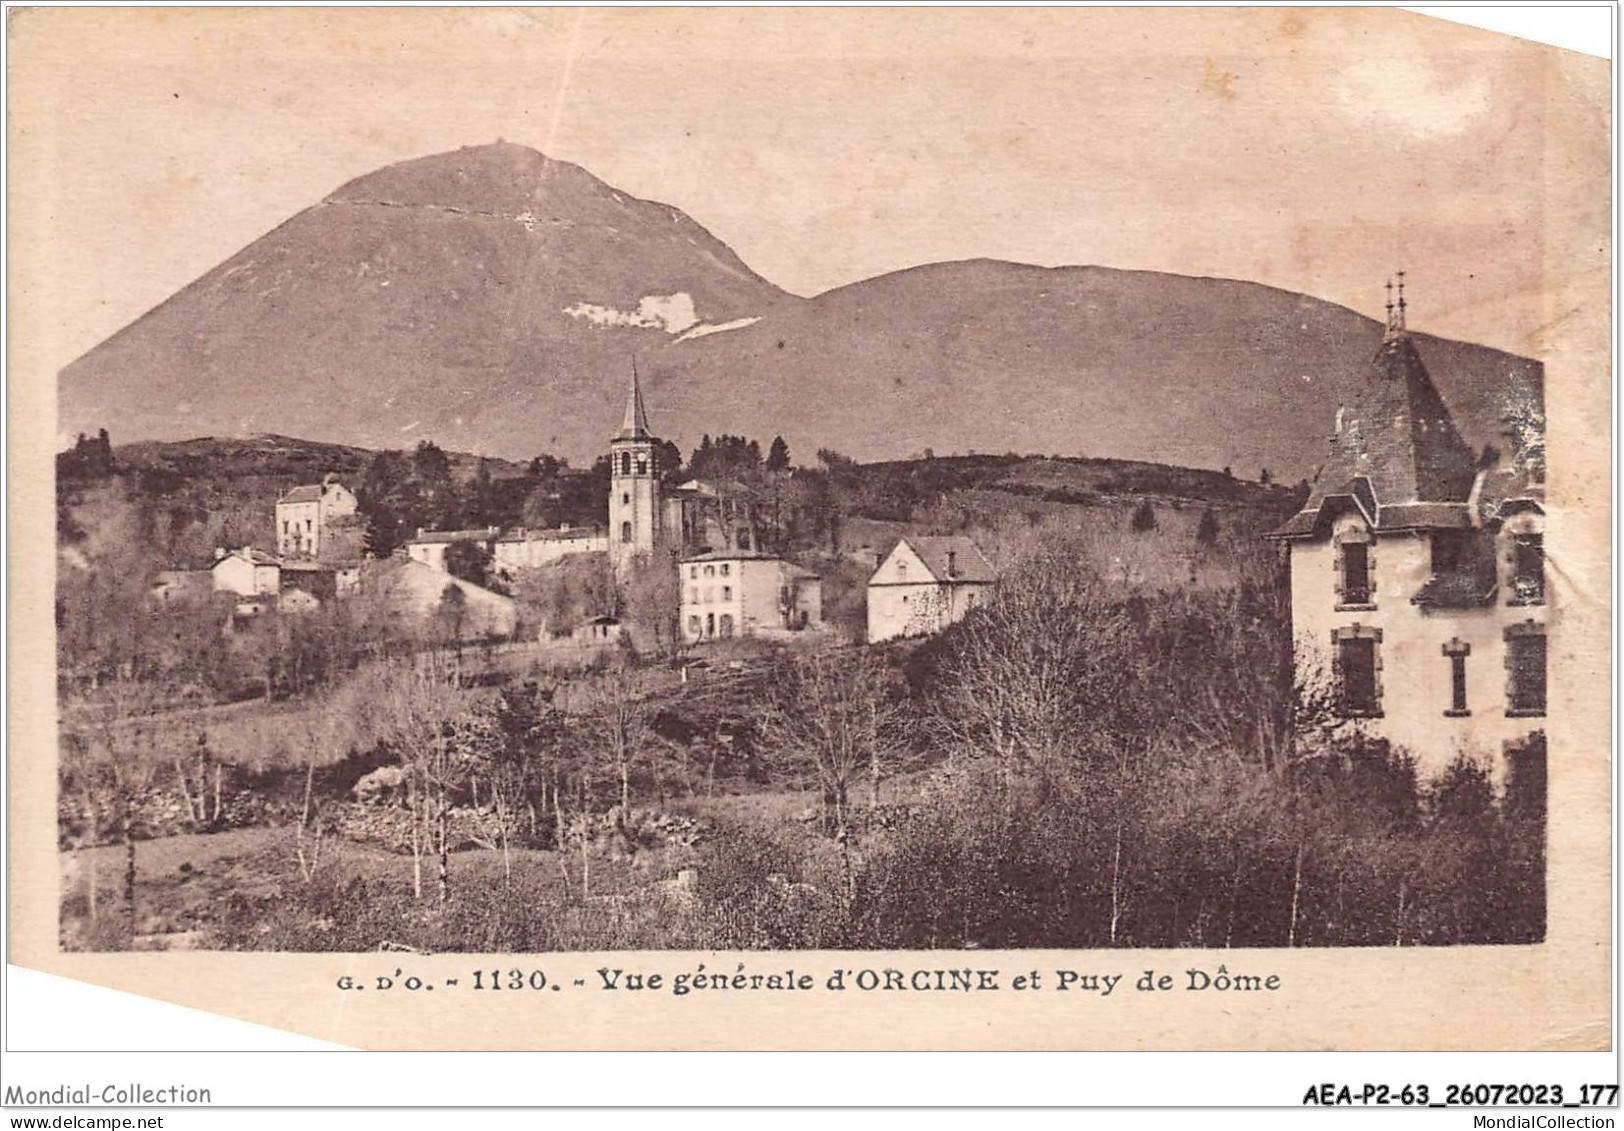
(1355, 587)
(1528, 570)
(1448, 551)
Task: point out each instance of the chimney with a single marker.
(219, 552)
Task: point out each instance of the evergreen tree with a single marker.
(1144, 517)
(778, 455)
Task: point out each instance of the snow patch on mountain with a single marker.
(704, 329)
(671, 313)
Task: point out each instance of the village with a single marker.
(1410, 551)
(726, 587)
(736, 721)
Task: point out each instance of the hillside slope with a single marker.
(494, 299)
(994, 357)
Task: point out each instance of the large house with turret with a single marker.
(1420, 601)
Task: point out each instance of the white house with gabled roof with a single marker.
(926, 583)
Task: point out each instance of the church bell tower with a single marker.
(634, 485)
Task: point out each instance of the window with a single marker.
(727, 592)
(725, 569)
(625, 498)
(693, 626)
(1448, 550)
(1457, 651)
(1358, 665)
(625, 463)
(1525, 664)
(710, 624)
(642, 467)
(307, 525)
(710, 571)
(693, 595)
(1355, 574)
(902, 569)
(725, 626)
(284, 526)
(693, 571)
(625, 532)
(1528, 570)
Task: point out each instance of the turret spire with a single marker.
(1395, 311)
(634, 425)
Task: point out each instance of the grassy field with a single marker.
(245, 888)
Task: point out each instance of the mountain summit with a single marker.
(492, 298)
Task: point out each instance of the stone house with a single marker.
(730, 593)
(429, 546)
(926, 583)
(1420, 602)
(318, 582)
(597, 632)
(522, 549)
(308, 517)
(246, 572)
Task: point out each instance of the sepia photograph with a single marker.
(587, 481)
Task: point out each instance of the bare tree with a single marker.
(839, 712)
(1036, 676)
(649, 597)
(113, 761)
(515, 744)
(416, 706)
(615, 726)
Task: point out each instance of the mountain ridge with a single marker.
(493, 299)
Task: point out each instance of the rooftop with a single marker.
(552, 535)
(1396, 450)
(434, 537)
(951, 557)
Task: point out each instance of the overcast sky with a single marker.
(1310, 150)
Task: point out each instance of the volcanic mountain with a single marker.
(493, 299)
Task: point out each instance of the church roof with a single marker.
(634, 425)
(1396, 449)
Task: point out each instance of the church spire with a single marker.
(634, 426)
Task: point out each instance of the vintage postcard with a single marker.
(814, 529)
